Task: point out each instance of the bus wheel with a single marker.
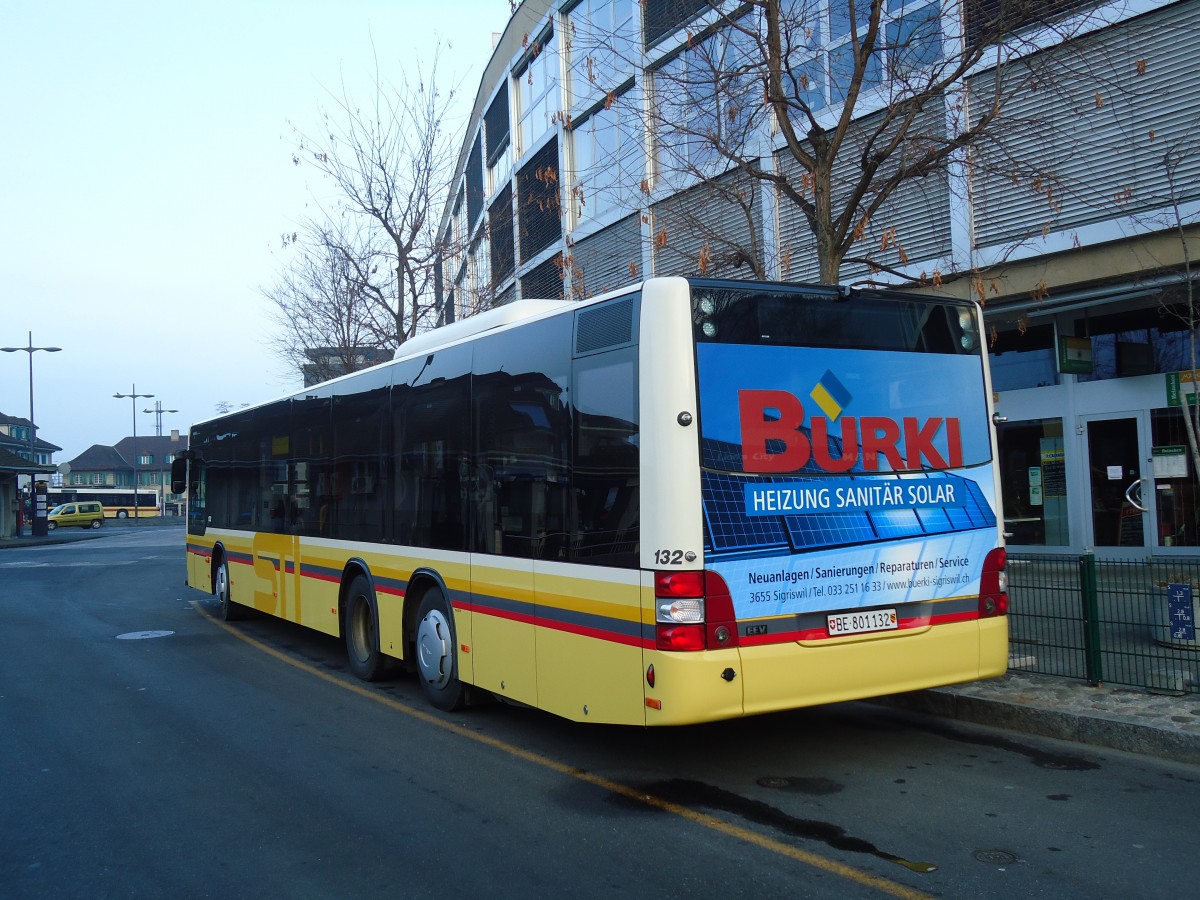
(362, 632)
(230, 611)
(437, 663)
(122, 514)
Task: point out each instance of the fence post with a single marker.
(1091, 619)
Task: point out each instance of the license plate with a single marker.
(862, 622)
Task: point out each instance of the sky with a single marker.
(146, 178)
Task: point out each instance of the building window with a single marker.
(1138, 342)
(145, 460)
(705, 97)
(537, 93)
(823, 38)
(1175, 483)
(601, 48)
(608, 162)
(1023, 357)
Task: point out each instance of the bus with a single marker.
(685, 501)
(118, 503)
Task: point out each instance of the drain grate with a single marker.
(994, 857)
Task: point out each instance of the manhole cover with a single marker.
(142, 635)
(995, 857)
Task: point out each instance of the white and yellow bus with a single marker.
(118, 503)
(684, 501)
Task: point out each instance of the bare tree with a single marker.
(328, 323)
(838, 108)
(389, 164)
(1177, 162)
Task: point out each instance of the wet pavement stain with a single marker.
(693, 794)
(1043, 759)
(814, 787)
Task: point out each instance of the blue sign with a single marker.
(1182, 612)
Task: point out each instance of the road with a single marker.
(149, 750)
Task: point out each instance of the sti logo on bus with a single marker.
(773, 442)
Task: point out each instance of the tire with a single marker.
(436, 656)
(50, 526)
(361, 630)
(96, 523)
(230, 611)
(122, 514)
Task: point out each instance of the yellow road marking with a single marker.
(729, 829)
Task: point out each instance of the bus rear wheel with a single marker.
(361, 629)
(437, 662)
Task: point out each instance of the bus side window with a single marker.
(606, 459)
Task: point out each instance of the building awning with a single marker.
(11, 464)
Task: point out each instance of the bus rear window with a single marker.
(816, 317)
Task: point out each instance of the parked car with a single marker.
(85, 514)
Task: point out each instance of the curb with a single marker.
(1175, 744)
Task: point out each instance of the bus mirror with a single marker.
(178, 476)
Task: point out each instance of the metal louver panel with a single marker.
(1089, 143)
(608, 325)
(607, 259)
(916, 217)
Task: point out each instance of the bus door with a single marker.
(277, 574)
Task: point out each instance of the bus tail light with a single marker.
(993, 585)
(694, 612)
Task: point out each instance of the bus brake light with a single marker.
(694, 612)
(993, 585)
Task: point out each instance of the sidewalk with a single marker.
(1118, 718)
(71, 535)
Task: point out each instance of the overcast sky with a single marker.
(146, 178)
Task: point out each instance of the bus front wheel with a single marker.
(362, 632)
(230, 611)
(437, 663)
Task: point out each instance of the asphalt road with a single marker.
(147, 750)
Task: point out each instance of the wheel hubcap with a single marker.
(434, 650)
(361, 630)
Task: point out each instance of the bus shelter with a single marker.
(13, 521)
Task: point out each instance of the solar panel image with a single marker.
(731, 533)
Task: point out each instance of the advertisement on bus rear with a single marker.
(844, 479)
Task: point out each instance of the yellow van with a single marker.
(85, 514)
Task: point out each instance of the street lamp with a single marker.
(32, 428)
(133, 399)
(158, 414)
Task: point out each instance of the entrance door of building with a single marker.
(1121, 501)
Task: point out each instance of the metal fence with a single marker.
(1117, 621)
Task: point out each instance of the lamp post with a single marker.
(158, 414)
(32, 428)
(133, 399)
